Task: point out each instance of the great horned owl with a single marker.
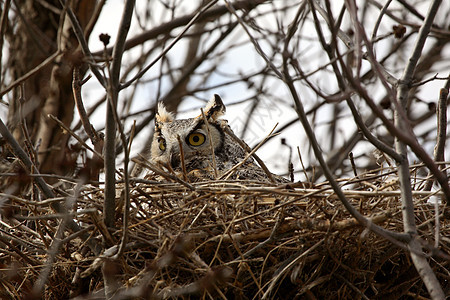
(195, 137)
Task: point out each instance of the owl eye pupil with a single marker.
(195, 139)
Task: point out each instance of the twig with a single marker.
(211, 14)
(111, 121)
(352, 161)
(253, 40)
(303, 166)
(227, 174)
(70, 131)
(182, 161)
(40, 283)
(97, 161)
(249, 150)
(291, 263)
(392, 236)
(118, 51)
(42, 65)
(162, 173)
(380, 17)
(439, 150)
(82, 41)
(170, 46)
(420, 262)
(94, 18)
(76, 87)
(270, 239)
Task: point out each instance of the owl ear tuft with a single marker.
(215, 108)
(162, 115)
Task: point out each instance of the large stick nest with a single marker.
(226, 239)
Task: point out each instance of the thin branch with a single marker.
(182, 161)
(380, 17)
(420, 262)
(253, 40)
(73, 134)
(249, 150)
(42, 65)
(82, 41)
(230, 172)
(40, 283)
(392, 236)
(157, 171)
(212, 14)
(439, 150)
(76, 87)
(111, 120)
(170, 46)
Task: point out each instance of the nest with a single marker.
(219, 239)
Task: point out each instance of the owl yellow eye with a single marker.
(196, 139)
(162, 144)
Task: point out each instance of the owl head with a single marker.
(197, 141)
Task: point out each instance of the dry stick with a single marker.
(341, 82)
(29, 167)
(162, 173)
(352, 162)
(89, 129)
(211, 145)
(392, 236)
(55, 247)
(406, 136)
(420, 262)
(303, 166)
(380, 17)
(183, 164)
(80, 140)
(254, 42)
(249, 150)
(439, 149)
(227, 174)
(30, 73)
(76, 87)
(111, 120)
(291, 264)
(270, 239)
(83, 43)
(164, 52)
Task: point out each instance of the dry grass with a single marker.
(230, 239)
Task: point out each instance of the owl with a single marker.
(201, 148)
